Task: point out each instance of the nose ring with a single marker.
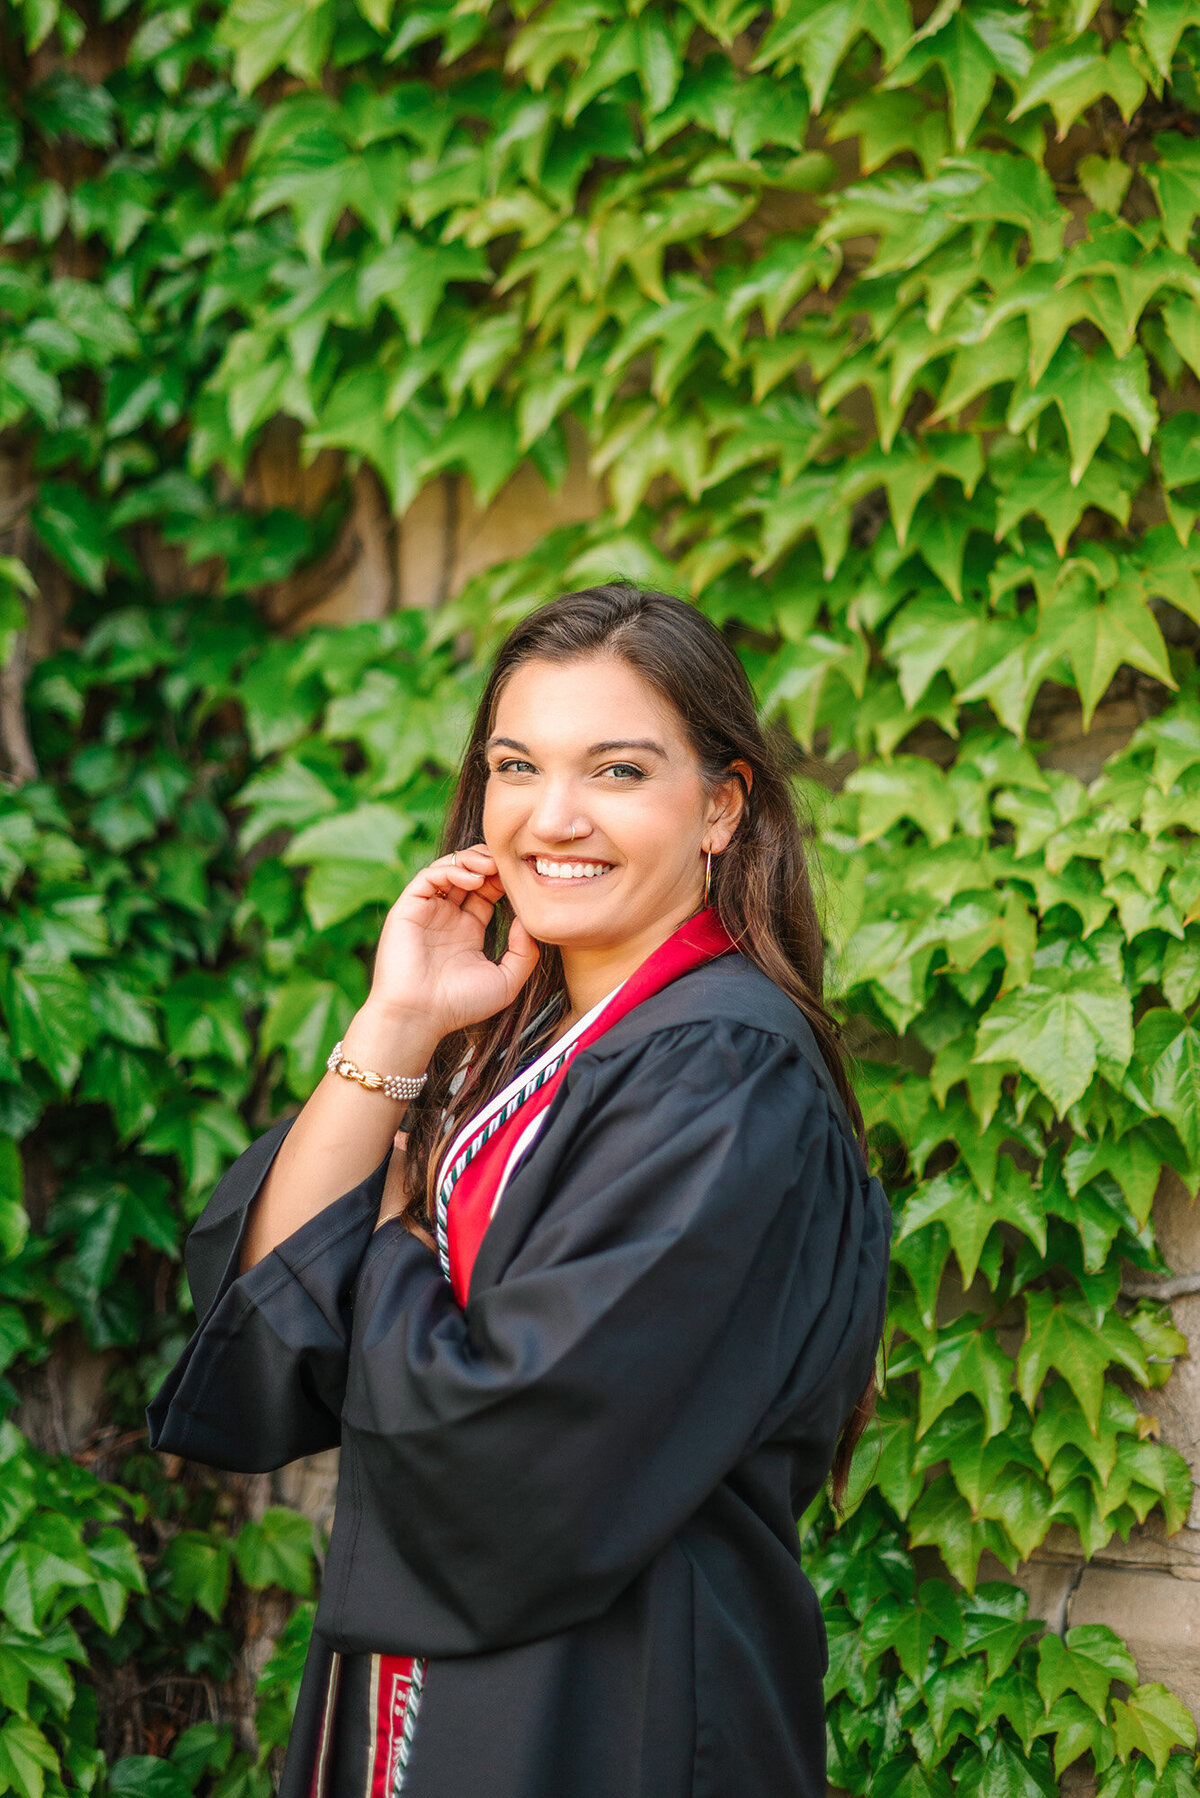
(574, 830)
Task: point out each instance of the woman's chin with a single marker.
(562, 925)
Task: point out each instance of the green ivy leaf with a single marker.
(1084, 1663)
(815, 35)
(146, 1776)
(1076, 1732)
(1089, 391)
(1059, 1031)
(305, 1018)
(105, 1217)
(1154, 1721)
(1133, 1162)
(1175, 179)
(198, 1567)
(964, 1360)
(943, 1517)
(1003, 1772)
(902, 1777)
(1061, 1423)
(907, 787)
(73, 528)
(51, 1021)
(970, 1212)
(205, 1135)
(910, 1630)
(25, 1758)
(1062, 1336)
(1046, 487)
(1071, 77)
(410, 277)
(973, 47)
(266, 34)
(1168, 1063)
(277, 1550)
(894, 1470)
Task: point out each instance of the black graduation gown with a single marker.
(577, 1496)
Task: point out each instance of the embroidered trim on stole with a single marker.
(396, 1684)
(325, 1739)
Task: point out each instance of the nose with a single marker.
(556, 817)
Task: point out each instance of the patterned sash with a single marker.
(475, 1171)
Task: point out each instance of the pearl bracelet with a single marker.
(396, 1086)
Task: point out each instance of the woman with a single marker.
(589, 1330)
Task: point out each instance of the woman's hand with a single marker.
(430, 964)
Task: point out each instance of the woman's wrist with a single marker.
(389, 1040)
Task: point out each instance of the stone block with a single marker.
(1149, 1547)
(1047, 1582)
(1049, 1586)
(1177, 1224)
(1084, 753)
(1177, 1404)
(1157, 1615)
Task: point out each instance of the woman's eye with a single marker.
(512, 764)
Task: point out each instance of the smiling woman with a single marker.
(635, 808)
(593, 1327)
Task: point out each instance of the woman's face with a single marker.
(592, 745)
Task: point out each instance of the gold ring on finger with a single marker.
(454, 859)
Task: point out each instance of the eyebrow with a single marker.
(646, 743)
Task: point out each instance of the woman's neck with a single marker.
(591, 974)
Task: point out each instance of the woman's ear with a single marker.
(729, 803)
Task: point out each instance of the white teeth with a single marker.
(569, 870)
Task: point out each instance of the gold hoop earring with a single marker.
(707, 874)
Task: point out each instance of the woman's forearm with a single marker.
(343, 1132)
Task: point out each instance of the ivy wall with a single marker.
(874, 329)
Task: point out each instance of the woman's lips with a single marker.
(557, 871)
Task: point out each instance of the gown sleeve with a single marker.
(262, 1380)
(707, 1269)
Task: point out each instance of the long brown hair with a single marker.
(760, 884)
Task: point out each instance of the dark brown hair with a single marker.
(760, 883)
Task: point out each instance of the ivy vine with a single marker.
(878, 328)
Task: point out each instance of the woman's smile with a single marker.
(566, 871)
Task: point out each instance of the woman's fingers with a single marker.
(476, 855)
(444, 880)
(479, 906)
(453, 876)
(520, 957)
